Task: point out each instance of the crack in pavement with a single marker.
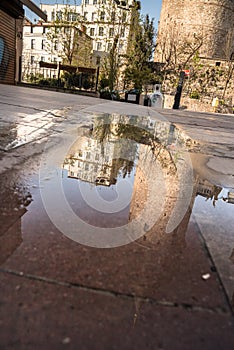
(34, 108)
(112, 293)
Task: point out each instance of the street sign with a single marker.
(187, 72)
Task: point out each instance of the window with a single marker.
(122, 33)
(69, 16)
(74, 17)
(111, 32)
(33, 43)
(67, 30)
(86, 2)
(124, 17)
(93, 16)
(109, 46)
(99, 46)
(57, 29)
(94, 2)
(31, 29)
(85, 16)
(102, 16)
(59, 15)
(113, 16)
(56, 45)
(44, 30)
(91, 31)
(32, 59)
(55, 60)
(98, 60)
(42, 58)
(43, 44)
(100, 31)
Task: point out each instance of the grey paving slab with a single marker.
(163, 266)
(221, 244)
(163, 291)
(44, 315)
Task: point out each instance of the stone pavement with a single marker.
(162, 291)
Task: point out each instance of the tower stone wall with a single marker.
(213, 20)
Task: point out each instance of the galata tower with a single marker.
(212, 20)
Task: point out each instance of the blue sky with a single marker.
(152, 7)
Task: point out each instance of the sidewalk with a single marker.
(162, 291)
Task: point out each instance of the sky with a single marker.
(151, 7)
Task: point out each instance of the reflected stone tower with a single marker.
(213, 20)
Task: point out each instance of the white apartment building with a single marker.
(100, 20)
(38, 47)
(34, 51)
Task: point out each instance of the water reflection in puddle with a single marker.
(99, 172)
(119, 172)
(30, 128)
(111, 182)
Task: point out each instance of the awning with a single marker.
(68, 68)
(34, 8)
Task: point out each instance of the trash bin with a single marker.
(147, 101)
(132, 96)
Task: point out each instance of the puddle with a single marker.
(115, 181)
(118, 173)
(125, 175)
(30, 128)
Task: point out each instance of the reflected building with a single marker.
(100, 155)
(10, 240)
(230, 197)
(91, 162)
(156, 153)
(208, 190)
(13, 207)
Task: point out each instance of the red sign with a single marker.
(187, 72)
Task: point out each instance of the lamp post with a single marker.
(177, 98)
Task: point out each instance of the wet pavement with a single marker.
(116, 225)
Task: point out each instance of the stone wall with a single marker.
(204, 105)
(211, 19)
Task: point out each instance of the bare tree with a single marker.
(67, 39)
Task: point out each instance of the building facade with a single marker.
(42, 44)
(100, 20)
(197, 36)
(10, 40)
(11, 29)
